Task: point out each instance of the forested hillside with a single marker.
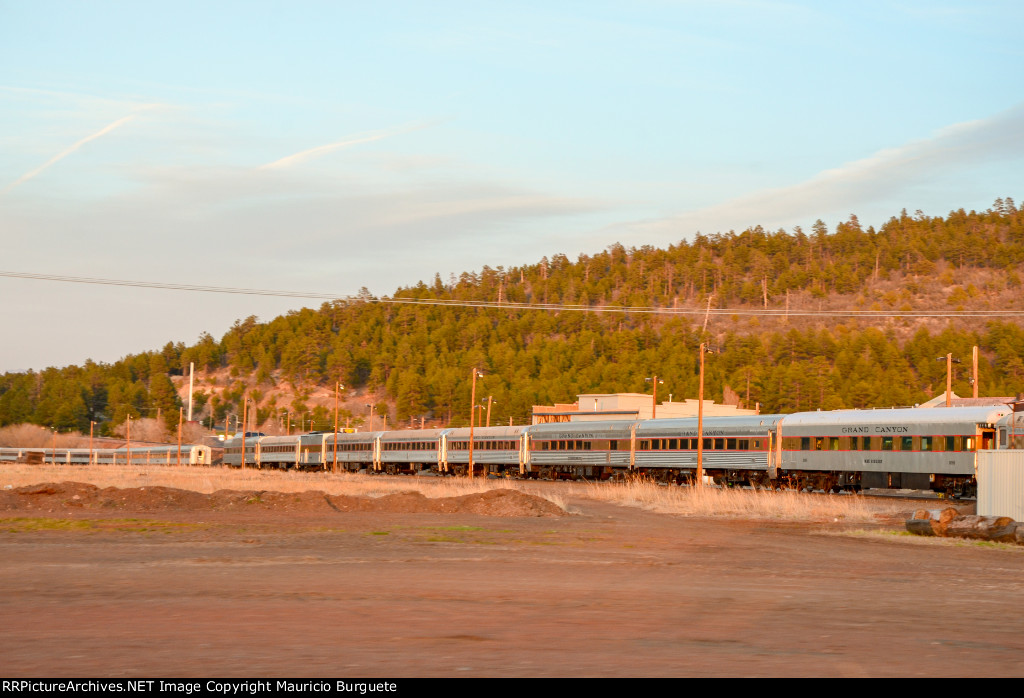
(415, 360)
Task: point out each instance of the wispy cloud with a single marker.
(369, 137)
(64, 153)
(860, 183)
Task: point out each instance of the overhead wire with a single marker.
(513, 305)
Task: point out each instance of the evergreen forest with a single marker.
(776, 305)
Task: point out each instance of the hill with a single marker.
(847, 318)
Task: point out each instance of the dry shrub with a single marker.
(149, 430)
(738, 503)
(34, 436)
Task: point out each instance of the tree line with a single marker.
(416, 359)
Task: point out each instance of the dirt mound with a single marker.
(76, 495)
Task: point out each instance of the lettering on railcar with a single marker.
(876, 429)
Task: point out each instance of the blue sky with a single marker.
(325, 147)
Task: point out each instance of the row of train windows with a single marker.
(484, 446)
(714, 444)
(355, 447)
(277, 449)
(410, 446)
(878, 443)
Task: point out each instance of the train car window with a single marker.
(744, 444)
(719, 444)
(886, 443)
(819, 443)
(853, 442)
(730, 444)
(968, 443)
(655, 444)
(833, 443)
(951, 443)
(805, 443)
(906, 443)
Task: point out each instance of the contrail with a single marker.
(322, 149)
(60, 156)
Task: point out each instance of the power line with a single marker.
(507, 305)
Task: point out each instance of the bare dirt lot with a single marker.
(170, 583)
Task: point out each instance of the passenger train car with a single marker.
(139, 455)
(901, 448)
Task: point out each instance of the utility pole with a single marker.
(337, 387)
(700, 417)
(949, 380)
(191, 381)
(180, 413)
(654, 396)
(974, 379)
(245, 422)
(472, 418)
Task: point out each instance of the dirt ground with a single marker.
(161, 582)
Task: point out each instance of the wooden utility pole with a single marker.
(180, 415)
(472, 419)
(654, 396)
(245, 421)
(337, 387)
(489, 399)
(974, 374)
(700, 422)
(949, 380)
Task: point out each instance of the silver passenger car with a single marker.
(495, 449)
(411, 450)
(917, 448)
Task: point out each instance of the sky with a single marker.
(324, 147)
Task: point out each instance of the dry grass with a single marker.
(740, 504)
(912, 539)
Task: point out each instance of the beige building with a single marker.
(598, 406)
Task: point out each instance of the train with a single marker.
(191, 454)
(911, 448)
